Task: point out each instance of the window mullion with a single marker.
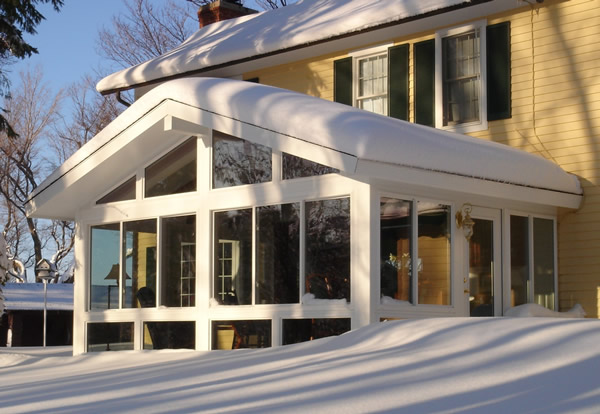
(159, 246)
(302, 264)
(122, 281)
(254, 253)
(414, 254)
(531, 288)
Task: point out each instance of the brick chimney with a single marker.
(222, 10)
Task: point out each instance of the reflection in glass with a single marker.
(481, 265)
(125, 191)
(278, 254)
(174, 173)
(396, 244)
(139, 251)
(302, 330)
(237, 161)
(105, 270)
(169, 335)
(543, 258)
(433, 264)
(519, 260)
(296, 167)
(233, 264)
(178, 261)
(112, 336)
(241, 334)
(328, 248)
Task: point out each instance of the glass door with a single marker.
(485, 271)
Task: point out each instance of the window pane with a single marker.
(296, 167)
(237, 161)
(125, 191)
(139, 251)
(278, 254)
(461, 78)
(116, 336)
(302, 330)
(433, 264)
(373, 84)
(105, 269)
(174, 173)
(519, 260)
(328, 248)
(233, 262)
(543, 258)
(169, 335)
(178, 261)
(396, 244)
(241, 334)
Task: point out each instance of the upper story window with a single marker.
(460, 78)
(123, 192)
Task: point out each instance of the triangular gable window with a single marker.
(174, 173)
(296, 167)
(124, 192)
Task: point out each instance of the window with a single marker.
(237, 161)
(296, 167)
(109, 336)
(428, 235)
(174, 173)
(105, 268)
(302, 330)
(261, 264)
(241, 334)
(372, 83)
(460, 77)
(532, 270)
(125, 191)
(139, 253)
(178, 261)
(169, 335)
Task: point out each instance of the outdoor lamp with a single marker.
(464, 220)
(46, 273)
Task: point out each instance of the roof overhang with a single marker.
(356, 142)
(237, 46)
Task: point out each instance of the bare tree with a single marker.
(272, 4)
(33, 112)
(146, 31)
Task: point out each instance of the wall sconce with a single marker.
(464, 220)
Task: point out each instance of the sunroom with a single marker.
(221, 214)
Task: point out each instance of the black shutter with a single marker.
(342, 81)
(424, 55)
(398, 81)
(498, 71)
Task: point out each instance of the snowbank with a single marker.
(445, 365)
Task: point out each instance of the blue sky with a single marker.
(66, 40)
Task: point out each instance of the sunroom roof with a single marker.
(300, 24)
(326, 132)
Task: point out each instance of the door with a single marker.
(485, 264)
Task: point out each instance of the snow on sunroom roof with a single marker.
(302, 23)
(328, 127)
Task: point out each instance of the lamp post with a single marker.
(45, 272)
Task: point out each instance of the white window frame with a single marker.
(482, 124)
(359, 55)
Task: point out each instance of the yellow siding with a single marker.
(555, 113)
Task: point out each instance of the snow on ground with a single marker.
(440, 365)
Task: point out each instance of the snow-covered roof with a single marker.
(334, 134)
(298, 25)
(30, 296)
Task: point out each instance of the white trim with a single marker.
(482, 124)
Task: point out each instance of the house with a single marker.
(234, 205)
(22, 323)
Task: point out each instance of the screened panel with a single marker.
(237, 161)
(328, 248)
(396, 246)
(139, 251)
(433, 264)
(233, 261)
(178, 261)
(174, 173)
(241, 334)
(109, 336)
(105, 270)
(170, 335)
(278, 254)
